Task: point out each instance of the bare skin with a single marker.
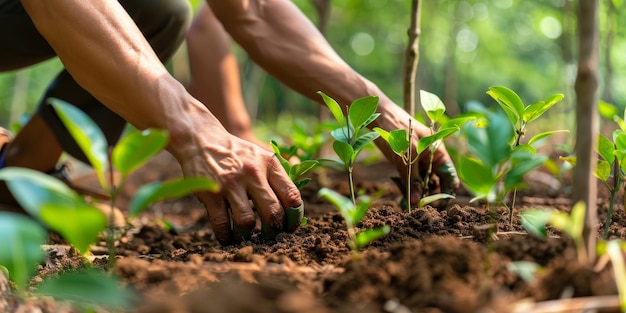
(91, 33)
(282, 40)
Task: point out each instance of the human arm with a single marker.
(107, 55)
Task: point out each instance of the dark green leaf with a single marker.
(172, 189)
(491, 144)
(509, 101)
(302, 168)
(343, 134)
(476, 176)
(363, 140)
(345, 152)
(136, 148)
(441, 134)
(522, 162)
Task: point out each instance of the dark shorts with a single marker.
(163, 23)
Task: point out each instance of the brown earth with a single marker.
(432, 261)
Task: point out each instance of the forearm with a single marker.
(105, 52)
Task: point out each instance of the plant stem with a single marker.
(110, 233)
(616, 186)
(351, 182)
(512, 206)
(408, 166)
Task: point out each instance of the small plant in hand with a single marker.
(400, 142)
(352, 136)
(352, 215)
(499, 161)
(54, 204)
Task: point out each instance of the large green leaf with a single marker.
(606, 148)
(398, 141)
(345, 153)
(363, 140)
(535, 110)
(79, 223)
(343, 204)
(478, 178)
(509, 101)
(522, 162)
(33, 189)
(432, 105)
(89, 287)
(603, 170)
(136, 148)
(302, 168)
(172, 189)
(361, 110)
(87, 135)
(491, 144)
(20, 251)
(343, 134)
(334, 108)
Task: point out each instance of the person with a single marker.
(112, 54)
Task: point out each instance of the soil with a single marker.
(452, 260)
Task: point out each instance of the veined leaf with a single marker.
(345, 152)
(509, 101)
(87, 135)
(491, 144)
(398, 141)
(361, 110)
(302, 168)
(176, 188)
(363, 139)
(603, 170)
(343, 134)
(432, 105)
(606, 149)
(136, 148)
(535, 110)
(442, 134)
(285, 164)
(334, 108)
(476, 176)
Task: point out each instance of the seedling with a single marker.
(401, 144)
(353, 214)
(501, 160)
(295, 171)
(351, 138)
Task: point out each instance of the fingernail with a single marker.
(268, 232)
(294, 218)
(241, 234)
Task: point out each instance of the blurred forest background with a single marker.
(465, 47)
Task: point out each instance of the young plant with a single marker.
(295, 171)
(401, 144)
(500, 159)
(353, 136)
(353, 214)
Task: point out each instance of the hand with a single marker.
(244, 171)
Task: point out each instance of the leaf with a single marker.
(524, 269)
(302, 168)
(20, 251)
(535, 110)
(603, 170)
(433, 106)
(343, 204)
(432, 198)
(522, 162)
(334, 107)
(363, 140)
(78, 222)
(383, 133)
(491, 144)
(545, 134)
(361, 209)
(361, 110)
(343, 134)
(568, 159)
(534, 221)
(285, 164)
(172, 189)
(460, 120)
(136, 148)
(509, 101)
(88, 288)
(301, 183)
(363, 238)
(607, 110)
(33, 189)
(87, 135)
(441, 134)
(620, 140)
(345, 152)
(477, 177)
(606, 148)
(398, 141)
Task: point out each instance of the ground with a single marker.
(452, 260)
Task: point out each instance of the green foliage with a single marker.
(20, 251)
(352, 214)
(352, 136)
(171, 189)
(295, 171)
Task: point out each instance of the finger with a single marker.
(288, 195)
(218, 216)
(243, 217)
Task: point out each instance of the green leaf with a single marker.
(343, 134)
(522, 162)
(345, 153)
(509, 101)
(572, 223)
(432, 105)
(136, 148)
(79, 223)
(302, 168)
(363, 238)
(534, 221)
(172, 189)
(432, 198)
(285, 164)
(20, 251)
(398, 141)
(441, 134)
(361, 209)
(301, 183)
(491, 144)
(535, 110)
(460, 120)
(334, 107)
(620, 140)
(603, 170)
(363, 140)
(545, 134)
(476, 176)
(343, 204)
(33, 189)
(524, 269)
(607, 110)
(361, 110)
(87, 135)
(88, 288)
(383, 133)
(606, 148)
